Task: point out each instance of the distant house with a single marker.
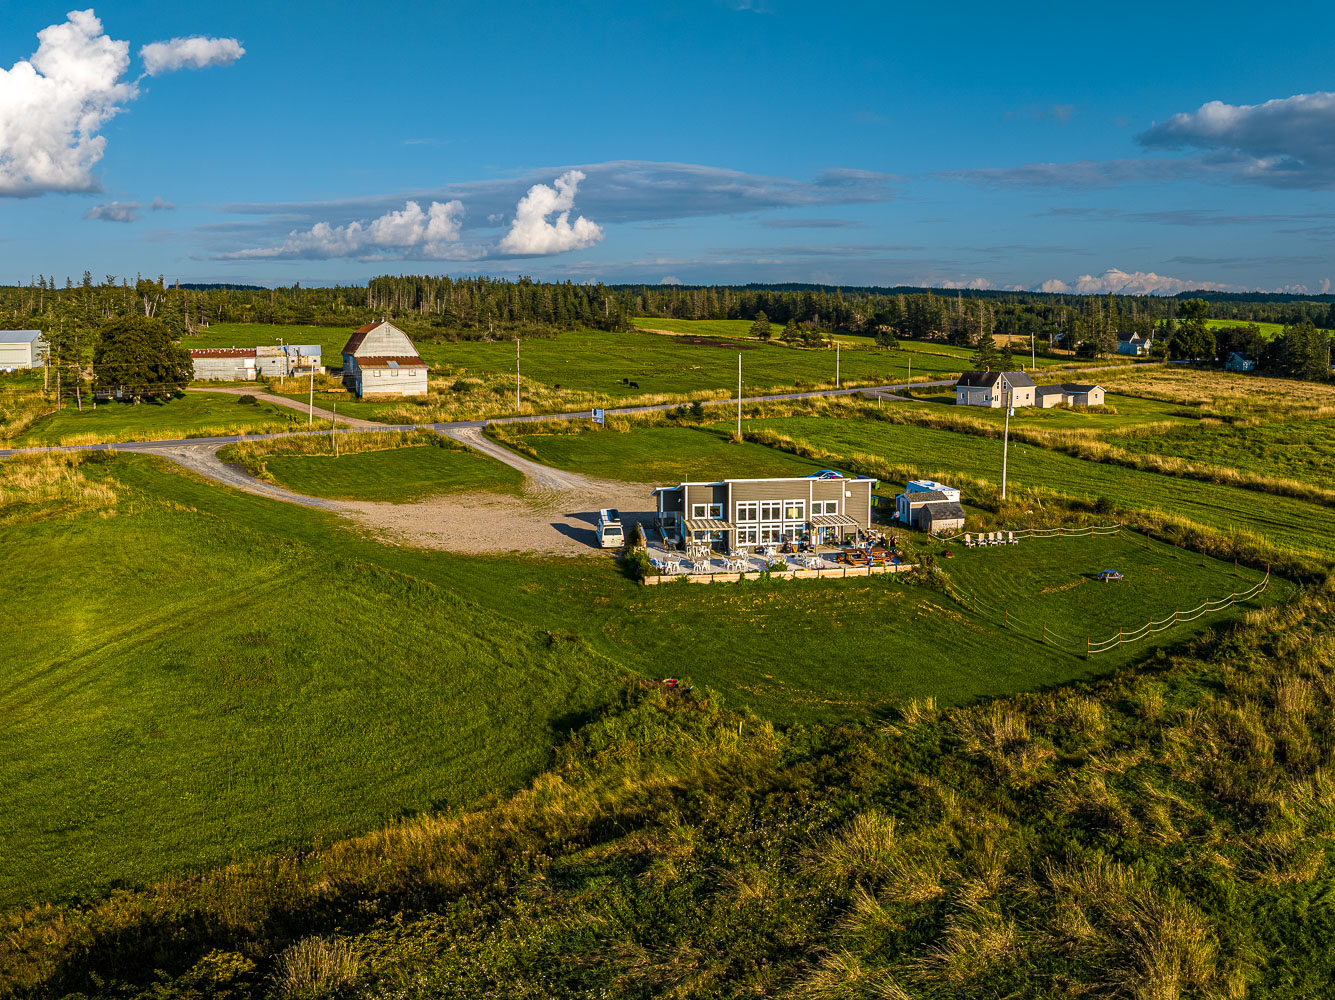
(929, 505)
(1069, 394)
(1239, 363)
(1133, 343)
(22, 349)
(824, 507)
(224, 364)
(380, 360)
(994, 389)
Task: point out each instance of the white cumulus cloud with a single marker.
(52, 106)
(532, 234)
(1130, 283)
(195, 52)
(1286, 142)
(409, 232)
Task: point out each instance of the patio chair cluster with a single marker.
(990, 538)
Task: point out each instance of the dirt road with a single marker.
(292, 404)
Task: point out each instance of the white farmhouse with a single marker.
(380, 360)
(22, 349)
(994, 389)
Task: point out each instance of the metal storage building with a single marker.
(22, 349)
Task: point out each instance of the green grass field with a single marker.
(188, 415)
(1131, 411)
(217, 677)
(1268, 330)
(663, 455)
(1284, 521)
(395, 475)
(227, 675)
(1301, 450)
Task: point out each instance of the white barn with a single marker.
(224, 364)
(380, 360)
(22, 349)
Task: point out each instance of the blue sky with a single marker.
(1149, 148)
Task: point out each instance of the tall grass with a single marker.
(39, 487)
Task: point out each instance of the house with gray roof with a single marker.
(930, 506)
(994, 389)
(22, 349)
(1069, 394)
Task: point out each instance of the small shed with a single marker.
(939, 518)
(22, 349)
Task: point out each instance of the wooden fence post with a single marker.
(1086, 647)
(1045, 631)
(1005, 618)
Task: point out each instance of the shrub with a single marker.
(247, 399)
(316, 966)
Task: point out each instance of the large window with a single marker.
(748, 535)
(703, 510)
(749, 511)
(824, 507)
(795, 510)
(770, 533)
(771, 510)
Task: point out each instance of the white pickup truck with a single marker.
(610, 535)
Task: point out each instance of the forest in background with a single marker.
(71, 312)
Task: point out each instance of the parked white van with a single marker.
(610, 535)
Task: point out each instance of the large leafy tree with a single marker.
(1193, 338)
(760, 328)
(137, 355)
(1303, 351)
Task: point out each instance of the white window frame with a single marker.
(699, 511)
(771, 534)
(771, 510)
(748, 510)
(800, 506)
(748, 535)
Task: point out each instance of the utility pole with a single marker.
(333, 424)
(57, 381)
(739, 398)
(310, 413)
(836, 364)
(1006, 434)
(910, 375)
(517, 375)
(1033, 355)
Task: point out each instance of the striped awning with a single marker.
(708, 524)
(834, 521)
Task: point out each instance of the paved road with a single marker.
(291, 404)
(444, 428)
(885, 391)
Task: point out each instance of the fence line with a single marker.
(1082, 532)
(1092, 647)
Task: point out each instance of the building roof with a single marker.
(1051, 390)
(834, 521)
(927, 496)
(944, 511)
(391, 362)
(985, 380)
(1132, 338)
(708, 524)
(1072, 387)
(223, 352)
(359, 334)
(19, 336)
(762, 479)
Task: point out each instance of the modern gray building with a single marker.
(22, 349)
(823, 507)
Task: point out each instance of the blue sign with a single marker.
(597, 416)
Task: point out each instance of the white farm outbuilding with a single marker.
(22, 349)
(380, 360)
